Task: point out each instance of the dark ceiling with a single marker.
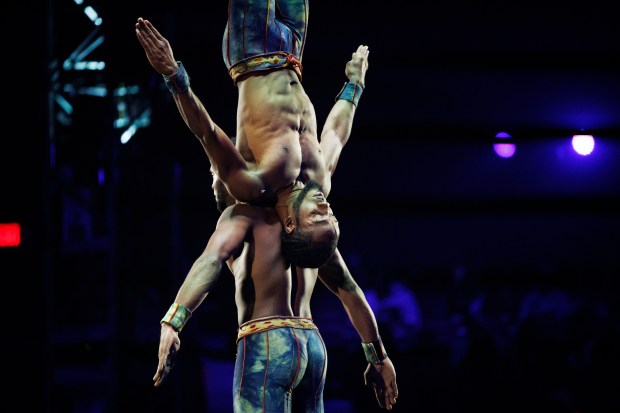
(444, 78)
(440, 72)
(461, 69)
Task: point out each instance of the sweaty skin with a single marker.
(273, 114)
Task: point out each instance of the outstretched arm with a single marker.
(381, 375)
(337, 128)
(226, 241)
(225, 159)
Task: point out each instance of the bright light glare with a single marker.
(128, 133)
(10, 235)
(583, 144)
(505, 150)
(92, 15)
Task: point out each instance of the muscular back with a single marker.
(262, 279)
(277, 128)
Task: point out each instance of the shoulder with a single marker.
(235, 213)
(247, 211)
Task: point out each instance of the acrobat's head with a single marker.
(311, 231)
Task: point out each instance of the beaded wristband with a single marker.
(351, 92)
(178, 82)
(177, 316)
(374, 351)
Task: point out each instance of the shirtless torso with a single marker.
(277, 148)
(277, 130)
(262, 278)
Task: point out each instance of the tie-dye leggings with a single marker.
(280, 366)
(264, 34)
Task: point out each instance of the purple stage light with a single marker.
(504, 149)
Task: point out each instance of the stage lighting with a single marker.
(502, 148)
(10, 235)
(583, 144)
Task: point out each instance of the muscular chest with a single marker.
(312, 161)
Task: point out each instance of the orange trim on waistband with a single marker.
(269, 61)
(267, 323)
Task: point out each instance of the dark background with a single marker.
(494, 281)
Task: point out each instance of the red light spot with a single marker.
(10, 235)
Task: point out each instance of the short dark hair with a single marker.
(298, 248)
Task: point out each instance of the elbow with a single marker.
(208, 264)
(351, 294)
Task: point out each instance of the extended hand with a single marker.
(382, 378)
(358, 65)
(156, 47)
(169, 344)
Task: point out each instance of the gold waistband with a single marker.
(267, 323)
(266, 62)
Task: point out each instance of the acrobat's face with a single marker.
(315, 216)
